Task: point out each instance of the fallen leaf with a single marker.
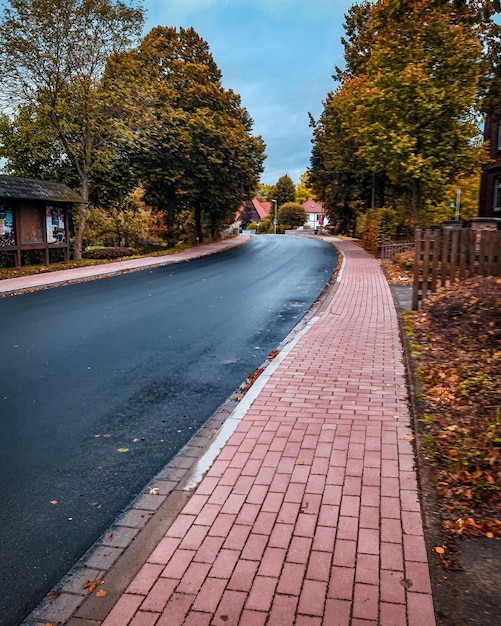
(54, 596)
(53, 502)
(123, 449)
(409, 437)
(92, 584)
(101, 593)
(300, 462)
(440, 550)
(154, 491)
(490, 535)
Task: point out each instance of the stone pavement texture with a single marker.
(310, 513)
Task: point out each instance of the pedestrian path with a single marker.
(101, 270)
(310, 513)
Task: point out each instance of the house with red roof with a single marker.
(316, 214)
(252, 211)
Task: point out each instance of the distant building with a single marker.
(316, 214)
(490, 183)
(34, 219)
(252, 211)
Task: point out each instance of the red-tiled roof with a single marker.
(261, 208)
(312, 206)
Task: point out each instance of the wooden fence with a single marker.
(446, 256)
(388, 250)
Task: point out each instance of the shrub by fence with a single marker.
(446, 256)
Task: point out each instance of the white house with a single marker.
(316, 214)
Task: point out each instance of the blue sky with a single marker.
(279, 55)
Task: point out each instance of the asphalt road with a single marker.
(137, 362)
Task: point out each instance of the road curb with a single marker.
(43, 281)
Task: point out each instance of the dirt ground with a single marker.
(467, 585)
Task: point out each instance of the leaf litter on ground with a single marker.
(456, 343)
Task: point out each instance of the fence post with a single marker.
(417, 256)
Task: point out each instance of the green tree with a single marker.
(338, 176)
(414, 109)
(265, 193)
(285, 191)
(405, 109)
(292, 214)
(53, 56)
(189, 139)
(26, 144)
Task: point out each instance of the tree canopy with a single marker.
(292, 214)
(402, 124)
(88, 108)
(285, 191)
(189, 139)
(53, 55)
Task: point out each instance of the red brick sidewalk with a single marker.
(310, 513)
(101, 270)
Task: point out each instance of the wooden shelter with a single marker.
(34, 220)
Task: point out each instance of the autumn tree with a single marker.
(189, 139)
(415, 111)
(303, 189)
(53, 55)
(264, 192)
(405, 108)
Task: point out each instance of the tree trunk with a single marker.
(170, 215)
(417, 201)
(198, 222)
(82, 219)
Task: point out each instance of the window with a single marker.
(496, 205)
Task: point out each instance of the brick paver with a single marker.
(310, 514)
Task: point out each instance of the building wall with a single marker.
(490, 184)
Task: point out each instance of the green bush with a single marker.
(265, 226)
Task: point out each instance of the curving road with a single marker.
(137, 362)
